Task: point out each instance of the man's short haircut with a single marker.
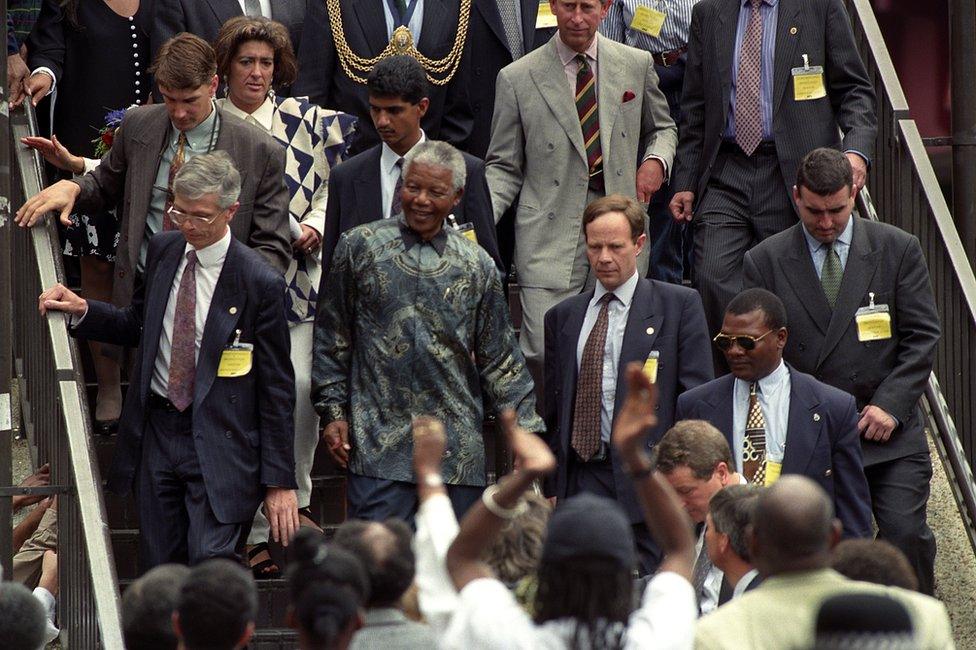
(765, 301)
(516, 551)
(401, 77)
(824, 171)
(873, 560)
(386, 551)
(616, 203)
(184, 62)
(22, 618)
(147, 608)
(240, 29)
(438, 154)
(695, 444)
(793, 521)
(731, 509)
(217, 601)
(209, 173)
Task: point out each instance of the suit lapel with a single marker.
(784, 49)
(718, 410)
(225, 9)
(369, 202)
(435, 19)
(489, 11)
(153, 141)
(568, 339)
(803, 429)
(226, 307)
(724, 46)
(799, 271)
(862, 262)
(156, 300)
(610, 91)
(644, 322)
(550, 79)
(372, 23)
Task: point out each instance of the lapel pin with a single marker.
(792, 31)
(650, 330)
(816, 417)
(233, 310)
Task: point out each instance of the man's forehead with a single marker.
(434, 173)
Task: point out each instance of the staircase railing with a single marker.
(55, 418)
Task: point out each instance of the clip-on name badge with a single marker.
(466, 229)
(235, 360)
(647, 20)
(808, 82)
(650, 365)
(873, 321)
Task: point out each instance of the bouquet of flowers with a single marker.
(106, 135)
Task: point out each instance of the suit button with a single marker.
(550, 146)
(447, 454)
(853, 376)
(121, 274)
(802, 347)
(233, 399)
(227, 434)
(828, 473)
(657, 407)
(555, 182)
(551, 215)
(623, 135)
(620, 173)
(477, 72)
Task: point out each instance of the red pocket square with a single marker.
(628, 95)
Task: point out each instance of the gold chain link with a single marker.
(400, 43)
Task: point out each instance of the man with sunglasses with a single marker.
(206, 432)
(779, 420)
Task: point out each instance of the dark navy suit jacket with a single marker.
(355, 198)
(663, 317)
(243, 427)
(822, 440)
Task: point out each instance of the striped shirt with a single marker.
(674, 32)
(769, 10)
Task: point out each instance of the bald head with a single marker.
(793, 527)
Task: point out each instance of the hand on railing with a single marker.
(61, 298)
(56, 153)
(860, 168)
(61, 196)
(17, 72)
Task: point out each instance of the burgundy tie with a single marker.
(396, 206)
(589, 388)
(748, 110)
(182, 359)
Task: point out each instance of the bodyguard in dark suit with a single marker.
(366, 187)
(779, 420)
(206, 431)
(590, 339)
(825, 270)
(324, 67)
(750, 111)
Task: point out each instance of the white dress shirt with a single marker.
(774, 399)
(390, 173)
(617, 313)
(744, 582)
(210, 261)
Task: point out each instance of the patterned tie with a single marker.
(513, 31)
(174, 166)
(703, 565)
(252, 7)
(831, 274)
(748, 110)
(589, 389)
(182, 359)
(589, 120)
(401, 6)
(396, 206)
(754, 445)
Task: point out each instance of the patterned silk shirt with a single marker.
(416, 328)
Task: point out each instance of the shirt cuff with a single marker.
(867, 161)
(661, 160)
(72, 323)
(49, 72)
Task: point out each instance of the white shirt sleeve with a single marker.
(436, 529)
(489, 618)
(666, 617)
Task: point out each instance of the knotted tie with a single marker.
(831, 274)
(589, 119)
(174, 167)
(252, 7)
(754, 445)
(748, 109)
(513, 31)
(396, 205)
(589, 389)
(182, 358)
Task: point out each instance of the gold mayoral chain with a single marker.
(439, 72)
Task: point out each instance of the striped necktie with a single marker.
(589, 119)
(174, 167)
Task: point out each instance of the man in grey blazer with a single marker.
(539, 161)
(764, 84)
(136, 171)
(829, 270)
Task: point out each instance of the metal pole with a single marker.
(6, 321)
(962, 26)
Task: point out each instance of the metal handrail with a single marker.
(57, 422)
(905, 192)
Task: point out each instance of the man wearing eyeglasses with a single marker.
(779, 420)
(207, 432)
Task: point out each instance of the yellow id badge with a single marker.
(235, 359)
(808, 82)
(545, 18)
(466, 229)
(647, 20)
(773, 471)
(650, 365)
(873, 321)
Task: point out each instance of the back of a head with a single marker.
(859, 621)
(22, 619)
(874, 560)
(516, 551)
(386, 551)
(217, 602)
(732, 510)
(793, 526)
(695, 444)
(147, 608)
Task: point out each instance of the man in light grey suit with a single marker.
(540, 161)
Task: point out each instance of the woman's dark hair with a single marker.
(595, 591)
(327, 587)
(240, 29)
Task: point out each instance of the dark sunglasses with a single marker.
(724, 342)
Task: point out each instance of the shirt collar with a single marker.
(844, 238)
(410, 237)
(264, 115)
(769, 385)
(199, 136)
(389, 158)
(744, 581)
(624, 293)
(212, 255)
(567, 54)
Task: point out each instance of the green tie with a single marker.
(831, 275)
